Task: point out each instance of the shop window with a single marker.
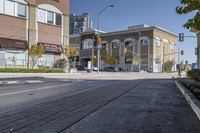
(41, 15)
(21, 10)
(50, 17)
(58, 19)
(9, 7)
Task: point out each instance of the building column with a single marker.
(65, 31)
(32, 21)
(65, 37)
(32, 28)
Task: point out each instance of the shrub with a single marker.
(61, 63)
(168, 66)
(25, 70)
(194, 74)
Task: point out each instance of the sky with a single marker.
(133, 12)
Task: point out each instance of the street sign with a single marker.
(181, 37)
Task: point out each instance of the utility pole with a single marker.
(98, 47)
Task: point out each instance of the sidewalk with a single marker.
(156, 106)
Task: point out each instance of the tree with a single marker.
(168, 66)
(35, 53)
(110, 60)
(94, 60)
(190, 6)
(70, 53)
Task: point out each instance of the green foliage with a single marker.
(190, 6)
(35, 53)
(168, 66)
(25, 70)
(194, 74)
(110, 60)
(61, 63)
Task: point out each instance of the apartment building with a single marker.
(79, 23)
(149, 46)
(27, 22)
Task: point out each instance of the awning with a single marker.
(13, 43)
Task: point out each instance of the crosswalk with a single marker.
(20, 82)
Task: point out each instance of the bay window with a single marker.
(58, 19)
(21, 10)
(41, 15)
(13, 8)
(50, 17)
(10, 7)
(1, 6)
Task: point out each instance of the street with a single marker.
(96, 105)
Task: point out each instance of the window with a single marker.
(87, 44)
(41, 15)
(50, 17)
(58, 19)
(128, 44)
(1, 6)
(157, 42)
(144, 42)
(115, 44)
(21, 10)
(9, 7)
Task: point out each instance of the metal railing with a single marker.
(21, 63)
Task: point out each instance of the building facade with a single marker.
(27, 22)
(140, 47)
(79, 23)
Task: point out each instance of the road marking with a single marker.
(34, 81)
(42, 88)
(50, 87)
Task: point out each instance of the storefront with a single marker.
(13, 53)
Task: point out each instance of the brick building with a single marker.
(150, 46)
(27, 22)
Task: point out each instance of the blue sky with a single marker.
(132, 12)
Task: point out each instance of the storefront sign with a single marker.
(52, 48)
(13, 43)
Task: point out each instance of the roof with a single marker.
(92, 30)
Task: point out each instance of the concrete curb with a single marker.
(191, 99)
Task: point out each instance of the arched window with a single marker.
(157, 42)
(129, 42)
(115, 44)
(87, 43)
(144, 41)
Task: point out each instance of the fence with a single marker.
(20, 63)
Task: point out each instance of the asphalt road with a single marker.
(96, 106)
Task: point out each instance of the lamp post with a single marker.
(98, 23)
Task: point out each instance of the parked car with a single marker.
(109, 69)
(80, 68)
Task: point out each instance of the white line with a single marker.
(43, 88)
(34, 81)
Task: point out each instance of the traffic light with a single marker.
(107, 46)
(182, 52)
(181, 37)
(99, 40)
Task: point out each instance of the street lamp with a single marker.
(98, 48)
